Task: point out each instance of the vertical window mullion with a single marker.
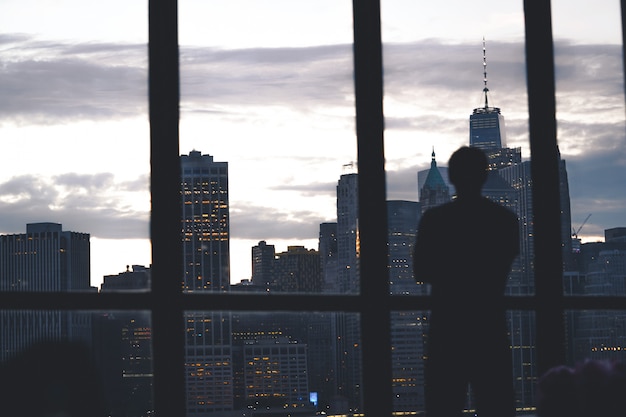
(545, 185)
(167, 318)
(375, 317)
(623, 12)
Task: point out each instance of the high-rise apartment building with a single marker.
(44, 259)
(206, 239)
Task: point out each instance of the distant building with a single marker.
(408, 328)
(327, 247)
(137, 277)
(348, 276)
(276, 374)
(435, 190)
(44, 259)
(205, 223)
(348, 234)
(616, 234)
(263, 262)
(123, 347)
(487, 127)
(402, 220)
(205, 228)
(298, 270)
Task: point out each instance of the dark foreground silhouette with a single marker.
(51, 379)
(465, 250)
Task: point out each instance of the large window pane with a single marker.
(74, 112)
(76, 362)
(590, 116)
(451, 82)
(272, 363)
(435, 79)
(269, 96)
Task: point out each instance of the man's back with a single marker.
(465, 248)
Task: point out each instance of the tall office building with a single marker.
(486, 123)
(327, 247)
(44, 259)
(348, 234)
(407, 327)
(205, 223)
(348, 277)
(205, 235)
(402, 220)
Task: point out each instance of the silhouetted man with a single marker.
(465, 249)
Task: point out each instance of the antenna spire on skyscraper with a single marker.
(485, 89)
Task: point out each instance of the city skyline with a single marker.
(91, 105)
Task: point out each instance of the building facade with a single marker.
(205, 231)
(263, 260)
(44, 259)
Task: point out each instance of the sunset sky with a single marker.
(267, 86)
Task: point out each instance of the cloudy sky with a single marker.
(267, 86)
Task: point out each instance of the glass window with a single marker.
(268, 97)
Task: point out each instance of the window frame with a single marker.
(166, 301)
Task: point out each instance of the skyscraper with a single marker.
(486, 123)
(206, 238)
(205, 223)
(44, 259)
(348, 276)
(348, 234)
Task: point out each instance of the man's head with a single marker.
(467, 169)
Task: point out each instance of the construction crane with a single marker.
(575, 232)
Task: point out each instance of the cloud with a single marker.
(430, 89)
(94, 204)
(251, 221)
(45, 82)
(297, 78)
